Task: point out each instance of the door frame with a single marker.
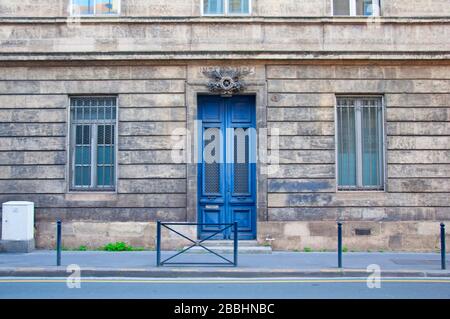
(195, 88)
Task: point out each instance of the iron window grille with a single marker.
(360, 143)
(93, 143)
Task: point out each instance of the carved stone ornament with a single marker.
(226, 80)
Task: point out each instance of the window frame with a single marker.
(383, 148)
(352, 4)
(95, 14)
(71, 154)
(225, 11)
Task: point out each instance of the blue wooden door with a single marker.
(227, 170)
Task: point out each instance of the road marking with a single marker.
(231, 281)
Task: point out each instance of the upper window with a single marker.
(356, 7)
(226, 7)
(95, 7)
(360, 139)
(92, 143)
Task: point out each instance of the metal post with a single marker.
(235, 250)
(158, 243)
(339, 245)
(443, 257)
(58, 243)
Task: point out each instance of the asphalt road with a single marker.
(286, 288)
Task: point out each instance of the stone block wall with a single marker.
(239, 40)
(96, 234)
(149, 57)
(301, 103)
(303, 204)
(33, 148)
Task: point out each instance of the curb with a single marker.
(216, 273)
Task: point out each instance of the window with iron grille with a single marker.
(360, 143)
(92, 142)
(356, 7)
(95, 7)
(226, 7)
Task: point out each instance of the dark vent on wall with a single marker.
(363, 231)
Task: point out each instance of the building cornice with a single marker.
(229, 55)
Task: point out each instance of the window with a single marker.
(360, 143)
(226, 7)
(92, 142)
(356, 7)
(95, 7)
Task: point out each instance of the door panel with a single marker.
(240, 175)
(244, 216)
(212, 163)
(240, 111)
(227, 172)
(212, 215)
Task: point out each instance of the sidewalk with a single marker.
(277, 264)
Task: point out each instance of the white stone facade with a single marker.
(151, 57)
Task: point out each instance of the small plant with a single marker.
(307, 249)
(345, 249)
(117, 246)
(82, 248)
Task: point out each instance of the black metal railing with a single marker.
(443, 249)
(339, 244)
(58, 242)
(198, 243)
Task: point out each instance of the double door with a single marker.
(227, 170)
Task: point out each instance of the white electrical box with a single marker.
(18, 221)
